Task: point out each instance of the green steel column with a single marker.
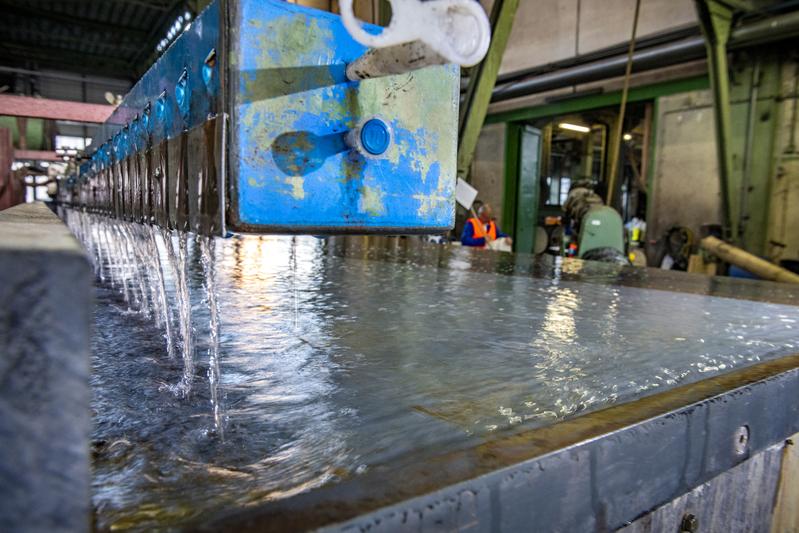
(527, 192)
(513, 141)
(481, 83)
(715, 17)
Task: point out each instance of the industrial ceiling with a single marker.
(112, 38)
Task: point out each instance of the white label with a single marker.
(465, 194)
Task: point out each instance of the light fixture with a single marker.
(628, 137)
(574, 127)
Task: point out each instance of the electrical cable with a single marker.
(614, 161)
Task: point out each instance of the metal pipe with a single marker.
(749, 262)
(754, 89)
(762, 32)
(661, 56)
(642, 43)
(617, 139)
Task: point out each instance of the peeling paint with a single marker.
(297, 187)
(252, 182)
(430, 202)
(294, 108)
(371, 201)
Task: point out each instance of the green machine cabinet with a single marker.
(602, 228)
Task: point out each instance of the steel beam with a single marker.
(27, 106)
(36, 155)
(481, 83)
(61, 59)
(715, 18)
(73, 24)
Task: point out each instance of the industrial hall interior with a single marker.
(484, 266)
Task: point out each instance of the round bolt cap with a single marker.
(689, 523)
(741, 440)
(375, 136)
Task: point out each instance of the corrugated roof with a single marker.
(114, 38)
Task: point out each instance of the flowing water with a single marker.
(298, 367)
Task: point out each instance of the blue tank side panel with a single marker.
(291, 113)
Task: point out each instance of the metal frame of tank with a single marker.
(246, 123)
(597, 472)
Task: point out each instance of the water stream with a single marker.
(292, 366)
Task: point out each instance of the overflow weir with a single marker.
(272, 383)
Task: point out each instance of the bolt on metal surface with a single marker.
(741, 440)
(689, 523)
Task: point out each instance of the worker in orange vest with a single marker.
(478, 231)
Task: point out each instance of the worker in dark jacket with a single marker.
(477, 230)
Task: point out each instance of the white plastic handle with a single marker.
(458, 30)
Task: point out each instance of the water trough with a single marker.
(385, 384)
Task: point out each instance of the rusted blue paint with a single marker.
(293, 115)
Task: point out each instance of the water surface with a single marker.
(332, 365)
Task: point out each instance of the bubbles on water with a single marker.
(207, 250)
(150, 267)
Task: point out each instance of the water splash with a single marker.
(163, 301)
(372, 382)
(294, 287)
(207, 249)
(129, 256)
(178, 261)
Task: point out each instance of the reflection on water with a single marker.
(329, 366)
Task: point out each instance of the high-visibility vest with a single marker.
(479, 231)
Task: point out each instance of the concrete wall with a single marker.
(685, 188)
(488, 169)
(685, 183)
(783, 223)
(551, 30)
(45, 311)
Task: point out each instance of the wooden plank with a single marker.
(27, 106)
(786, 510)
